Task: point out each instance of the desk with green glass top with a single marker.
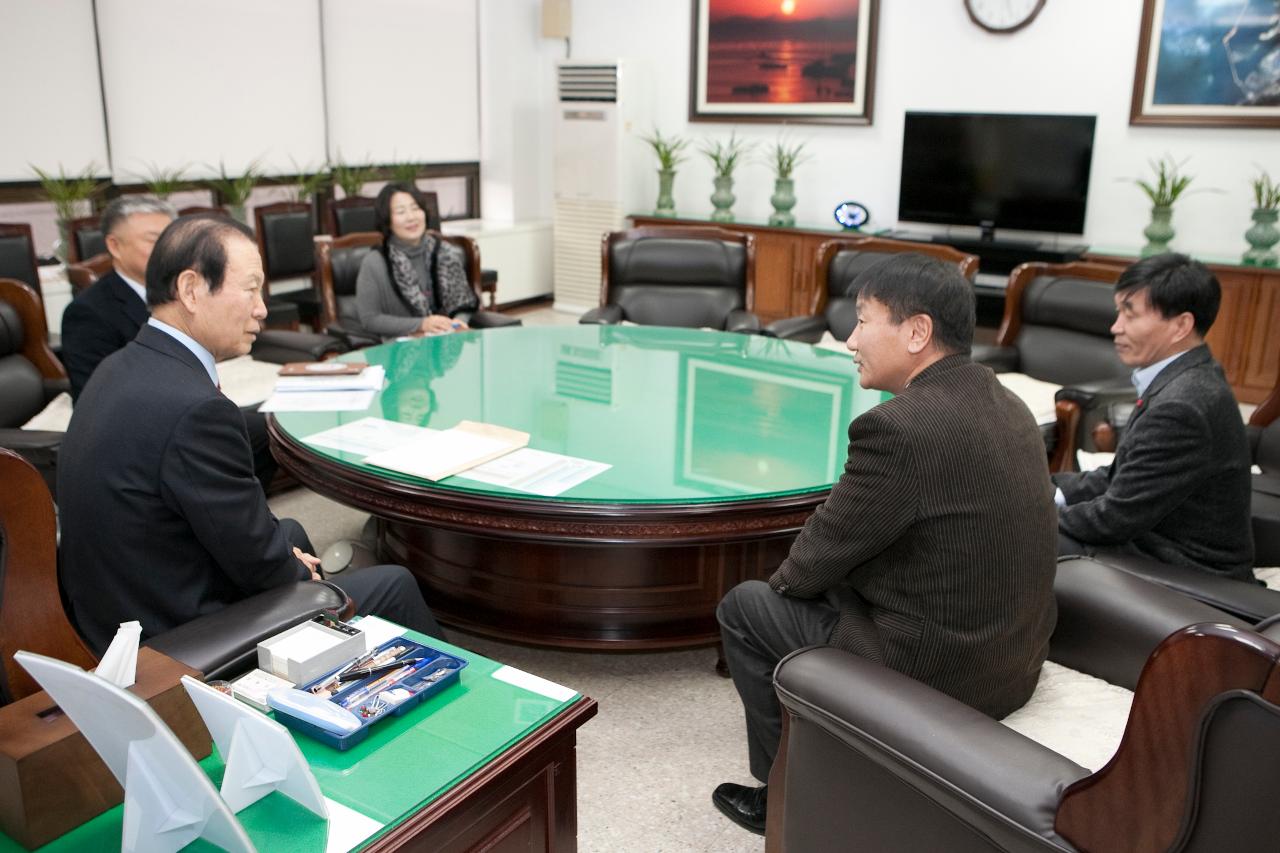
(487, 764)
(721, 446)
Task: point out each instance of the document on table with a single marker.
(536, 471)
(369, 379)
(443, 453)
(367, 436)
(318, 401)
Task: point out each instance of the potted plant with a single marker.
(352, 178)
(404, 173)
(1169, 184)
(784, 158)
(724, 157)
(162, 182)
(69, 194)
(235, 192)
(1263, 235)
(668, 151)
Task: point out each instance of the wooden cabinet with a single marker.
(1246, 336)
(785, 259)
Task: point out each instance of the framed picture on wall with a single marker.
(1208, 64)
(782, 60)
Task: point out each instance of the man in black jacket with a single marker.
(109, 313)
(162, 519)
(1178, 489)
(935, 552)
(111, 310)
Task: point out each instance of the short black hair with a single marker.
(1175, 284)
(197, 242)
(911, 283)
(382, 205)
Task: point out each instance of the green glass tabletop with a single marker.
(681, 415)
(406, 763)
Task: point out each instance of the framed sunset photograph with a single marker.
(782, 60)
(1208, 63)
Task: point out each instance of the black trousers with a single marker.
(759, 627)
(390, 592)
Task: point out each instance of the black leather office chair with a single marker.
(1264, 441)
(18, 255)
(86, 239)
(677, 276)
(873, 760)
(30, 377)
(1057, 328)
(338, 261)
(352, 215)
(839, 262)
(285, 233)
(32, 618)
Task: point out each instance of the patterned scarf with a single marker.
(449, 291)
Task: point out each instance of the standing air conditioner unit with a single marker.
(589, 134)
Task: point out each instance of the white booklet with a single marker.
(443, 453)
(536, 472)
(367, 436)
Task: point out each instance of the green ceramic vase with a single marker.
(666, 204)
(722, 199)
(783, 199)
(1160, 231)
(1262, 235)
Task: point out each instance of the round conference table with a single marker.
(719, 446)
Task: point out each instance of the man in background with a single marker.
(1178, 490)
(935, 552)
(108, 314)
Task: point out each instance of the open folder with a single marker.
(443, 453)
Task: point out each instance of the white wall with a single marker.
(1077, 57)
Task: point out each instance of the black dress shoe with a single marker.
(744, 806)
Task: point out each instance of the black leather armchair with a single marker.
(676, 276)
(839, 262)
(30, 377)
(338, 261)
(1264, 442)
(219, 645)
(284, 232)
(86, 240)
(351, 215)
(1057, 328)
(873, 760)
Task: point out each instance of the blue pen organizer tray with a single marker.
(379, 695)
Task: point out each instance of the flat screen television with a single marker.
(1025, 172)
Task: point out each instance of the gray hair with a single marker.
(120, 209)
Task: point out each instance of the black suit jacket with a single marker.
(97, 323)
(939, 542)
(1178, 489)
(162, 518)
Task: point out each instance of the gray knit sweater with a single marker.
(381, 310)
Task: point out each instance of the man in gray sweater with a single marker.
(1178, 489)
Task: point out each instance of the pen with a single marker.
(353, 674)
(393, 677)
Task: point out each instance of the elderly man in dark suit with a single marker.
(1178, 488)
(935, 552)
(162, 519)
(111, 311)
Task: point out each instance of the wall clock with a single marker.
(1003, 16)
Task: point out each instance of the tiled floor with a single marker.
(668, 731)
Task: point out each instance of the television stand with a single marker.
(998, 256)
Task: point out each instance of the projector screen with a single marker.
(402, 81)
(195, 84)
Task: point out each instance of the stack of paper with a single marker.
(352, 393)
(435, 454)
